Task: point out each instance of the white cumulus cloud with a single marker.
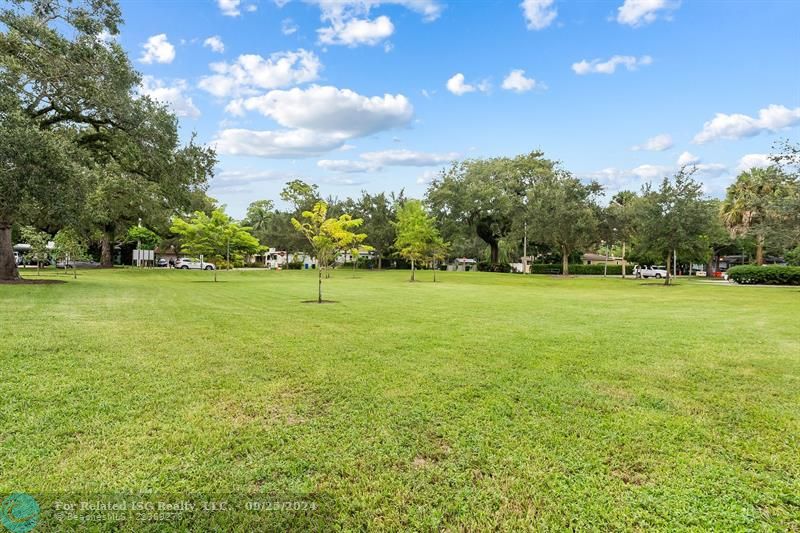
(173, 96)
(317, 119)
(659, 143)
(251, 72)
(458, 86)
(640, 12)
(327, 108)
(157, 49)
(229, 8)
(517, 82)
(215, 43)
(349, 22)
(753, 161)
(598, 66)
(770, 119)
(276, 144)
(539, 14)
(687, 158)
(354, 32)
(650, 171)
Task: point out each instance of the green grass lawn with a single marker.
(485, 401)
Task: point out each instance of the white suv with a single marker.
(187, 263)
(646, 271)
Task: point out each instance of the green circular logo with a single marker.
(20, 513)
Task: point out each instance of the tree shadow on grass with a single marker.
(318, 302)
(34, 282)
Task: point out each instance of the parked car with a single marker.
(648, 271)
(78, 264)
(162, 263)
(187, 263)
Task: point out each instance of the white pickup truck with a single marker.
(648, 271)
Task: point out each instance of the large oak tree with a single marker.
(486, 196)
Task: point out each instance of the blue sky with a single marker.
(380, 94)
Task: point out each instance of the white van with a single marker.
(648, 271)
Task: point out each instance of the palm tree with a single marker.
(750, 204)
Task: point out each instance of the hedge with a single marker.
(486, 266)
(579, 269)
(765, 275)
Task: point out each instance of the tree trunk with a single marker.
(106, 248)
(215, 275)
(668, 279)
(8, 267)
(710, 265)
(495, 252)
(434, 271)
(319, 282)
(564, 261)
(412, 271)
(759, 250)
(623, 259)
(379, 261)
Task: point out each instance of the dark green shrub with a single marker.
(765, 275)
(545, 268)
(486, 266)
(295, 265)
(579, 269)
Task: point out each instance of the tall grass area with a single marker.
(483, 401)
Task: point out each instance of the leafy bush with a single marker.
(486, 266)
(545, 268)
(579, 269)
(295, 265)
(793, 257)
(765, 275)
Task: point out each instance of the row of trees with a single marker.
(501, 209)
(78, 146)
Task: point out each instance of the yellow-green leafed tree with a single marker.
(417, 237)
(328, 236)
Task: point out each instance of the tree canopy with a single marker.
(674, 219)
(486, 195)
(217, 237)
